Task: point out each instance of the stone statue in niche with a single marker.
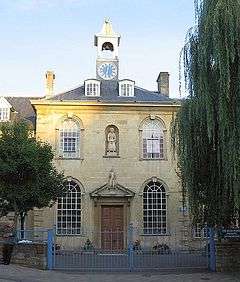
(112, 181)
(111, 142)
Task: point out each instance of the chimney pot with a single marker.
(163, 83)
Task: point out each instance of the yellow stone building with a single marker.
(112, 141)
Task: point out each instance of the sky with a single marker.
(57, 35)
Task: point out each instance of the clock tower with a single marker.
(107, 43)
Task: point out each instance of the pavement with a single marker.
(14, 273)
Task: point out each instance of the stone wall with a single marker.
(31, 255)
(1, 250)
(227, 256)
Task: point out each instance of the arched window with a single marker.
(69, 210)
(107, 46)
(69, 145)
(153, 140)
(154, 209)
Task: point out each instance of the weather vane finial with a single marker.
(106, 20)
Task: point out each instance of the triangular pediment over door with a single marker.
(107, 191)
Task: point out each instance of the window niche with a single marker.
(111, 141)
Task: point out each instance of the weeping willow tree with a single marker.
(206, 130)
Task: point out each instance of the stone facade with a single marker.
(93, 166)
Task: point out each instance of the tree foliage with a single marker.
(28, 178)
(206, 131)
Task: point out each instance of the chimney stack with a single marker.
(163, 83)
(50, 77)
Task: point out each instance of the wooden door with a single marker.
(112, 231)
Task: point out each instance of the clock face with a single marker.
(107, 71)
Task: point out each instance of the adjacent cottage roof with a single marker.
(23, 107)
(110, 94)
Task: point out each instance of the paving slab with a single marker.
(13, 273)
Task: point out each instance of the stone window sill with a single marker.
(69, 159)
(144, 159)
(70, 235)
(154, 235)
(111, 157)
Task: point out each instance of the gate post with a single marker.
(130, 247)
(211, 250)
(50, 249)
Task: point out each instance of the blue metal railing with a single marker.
(64, 252)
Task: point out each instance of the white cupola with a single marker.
(107, 41)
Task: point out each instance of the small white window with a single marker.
(92, 87)
(69, 139)
(5, 107)
(4, 114)
(200, 232)
(126, 88)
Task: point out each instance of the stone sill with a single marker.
(111, 157)
(154, 235)
(70, 159)
(70, 235)
(142, 159)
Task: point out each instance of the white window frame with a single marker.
(5, 108)
(154, 209)
(153, 140)
(126, 88)
(69, 139)
(69, 211)
(4, 114)
(92, 87)
(200, 232)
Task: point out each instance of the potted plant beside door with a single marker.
(88, 247)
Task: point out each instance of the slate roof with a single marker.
(23, 107)
(109, 94)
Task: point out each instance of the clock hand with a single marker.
(109, 70)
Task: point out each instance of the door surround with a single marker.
(112, 194)
(98, 217)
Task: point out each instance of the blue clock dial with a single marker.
(107, 71)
